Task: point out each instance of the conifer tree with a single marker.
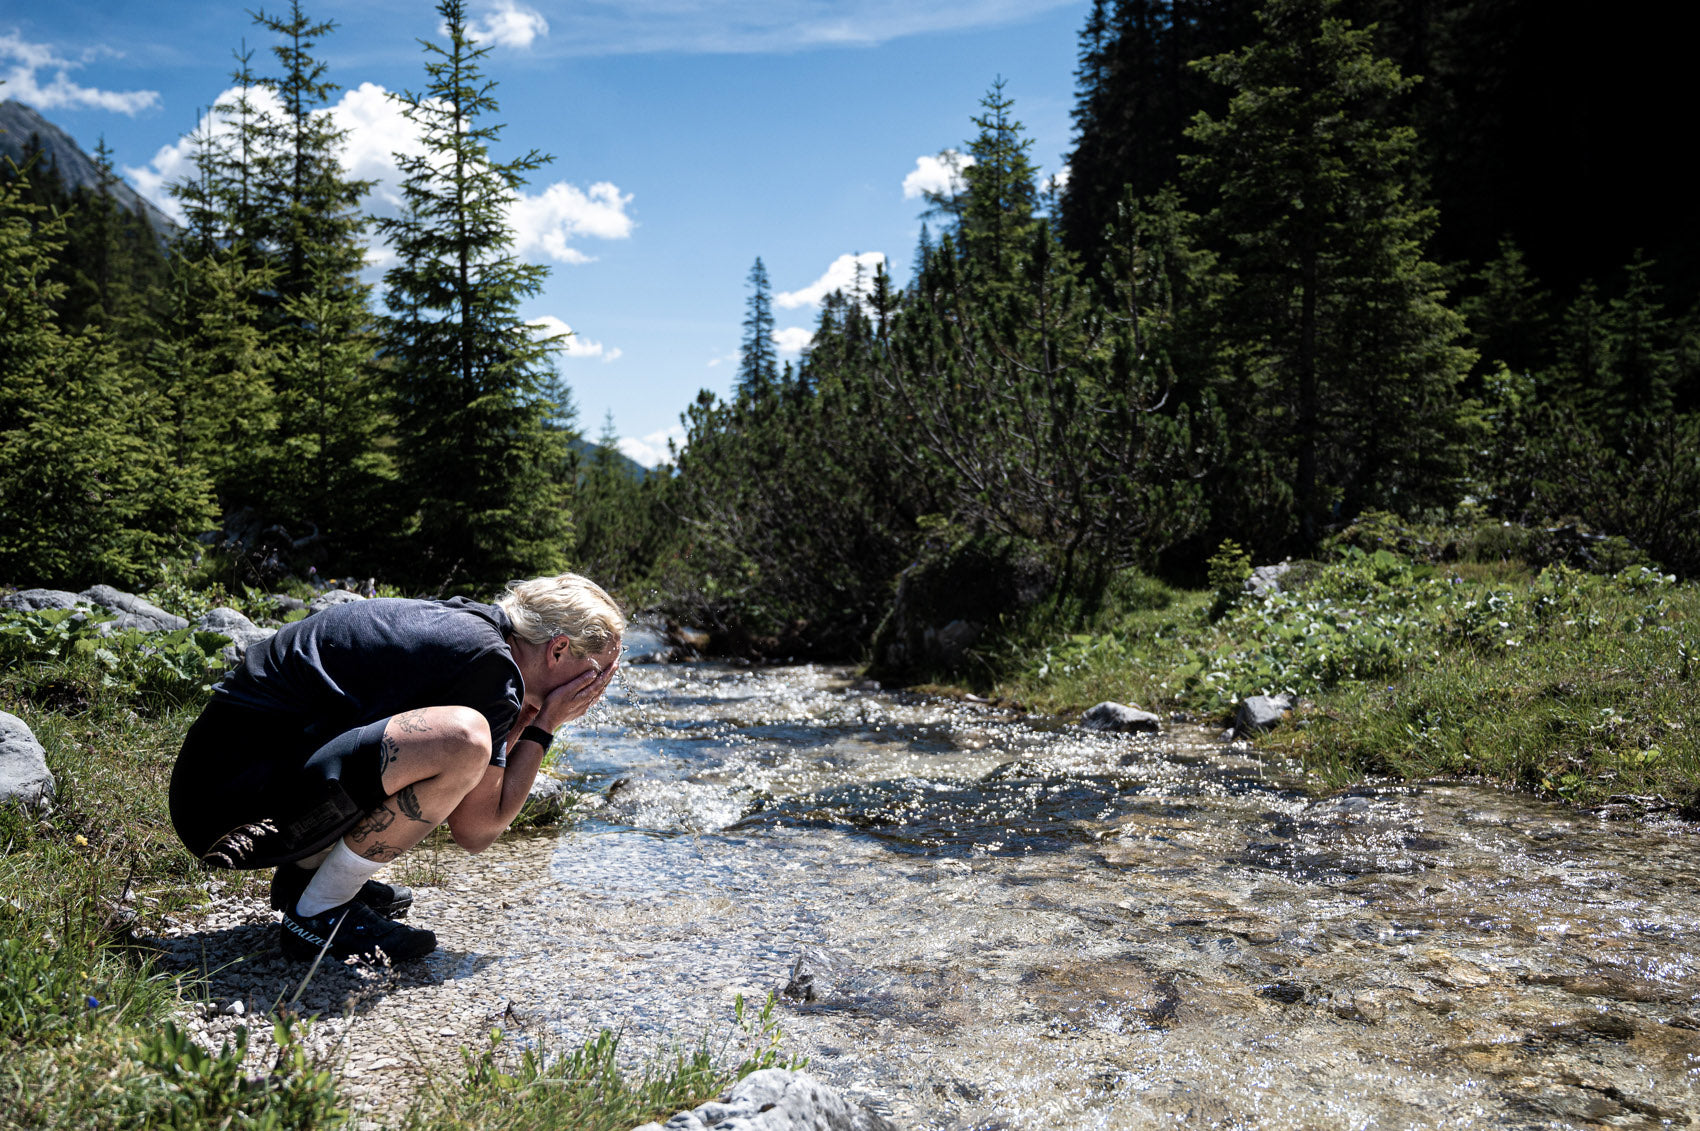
(84, 478)
(1346, 354)
(758, 362)
(471, 380)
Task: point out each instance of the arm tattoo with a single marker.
(408, 803)
(372, 824)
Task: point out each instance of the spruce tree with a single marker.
(471, 380)
(1347, 359)
(758, 362)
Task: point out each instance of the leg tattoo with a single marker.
(372, 824)
(408, 803)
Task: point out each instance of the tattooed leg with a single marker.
(429, 760)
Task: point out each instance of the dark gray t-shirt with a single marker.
(357, 663)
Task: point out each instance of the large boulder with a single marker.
(1258, 713)
(132, 611)
(243, 632)
(1267, 579)
(1120, 718)
(32, 600)
(24, 777)
(776, 1099)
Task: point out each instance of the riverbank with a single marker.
(1583, 687)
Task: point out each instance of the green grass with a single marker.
(1577, 685)
(512, 1088)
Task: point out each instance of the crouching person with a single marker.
(338, 744)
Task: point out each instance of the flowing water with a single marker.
(993, 922)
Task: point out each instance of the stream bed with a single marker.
(985, 921)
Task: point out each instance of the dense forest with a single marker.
(1313, 260)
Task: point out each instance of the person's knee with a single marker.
(466, 730)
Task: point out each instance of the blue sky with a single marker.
(690, 136)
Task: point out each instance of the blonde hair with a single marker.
(566, 605)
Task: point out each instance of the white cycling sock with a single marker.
(337, 881)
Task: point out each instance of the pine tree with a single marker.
(1002, 195)
(471, 380)
(1346, 353)
(758, 363)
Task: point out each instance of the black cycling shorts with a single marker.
(253, 791)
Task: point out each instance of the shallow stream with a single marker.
(1004, 923)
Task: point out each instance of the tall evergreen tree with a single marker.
(758, 363)
(471, 379)
(1346, 353)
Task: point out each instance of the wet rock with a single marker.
(1258, 713)
(1119, 717)
(32, 600)
(24, 776)
(243, 632)
(332, 597)
(775, 1099)
(132, 611)
(549, 800)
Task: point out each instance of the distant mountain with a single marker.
(18, 123)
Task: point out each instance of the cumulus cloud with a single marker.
(573, 344)
(652, 449)
(793, 339)
(509, 24)
(22, 64)
(1058, 180)
(841, 276)
(940, 173)
(545, 223)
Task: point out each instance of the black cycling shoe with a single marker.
(355, 931)
(391, 900)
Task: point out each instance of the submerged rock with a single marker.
(24, 776)
(1259, 713)
(776, 1099)
(132, 611)
(1112, 716)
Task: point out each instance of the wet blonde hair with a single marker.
(565, 605)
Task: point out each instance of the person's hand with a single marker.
(573, 698)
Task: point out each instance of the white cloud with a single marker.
(940, 173)
(793, 339)
(1058, 180)
(545, 223)
(841, 276)
(732, 358)
(573, 345)
(509, 24)
(652, 449)
(20, 60)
